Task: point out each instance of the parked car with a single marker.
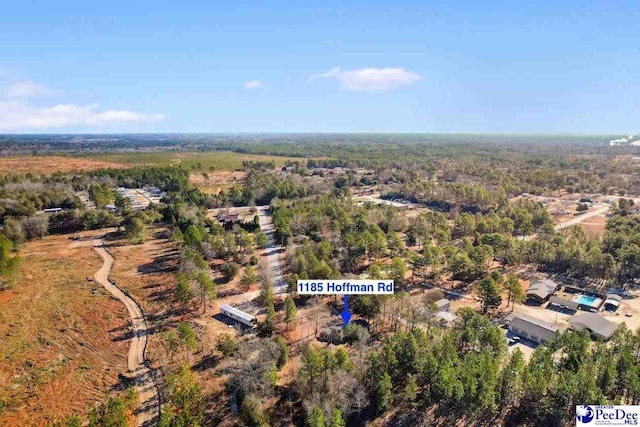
(513, 340)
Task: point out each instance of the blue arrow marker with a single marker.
(346, 314)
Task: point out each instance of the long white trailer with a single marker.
(239, 315)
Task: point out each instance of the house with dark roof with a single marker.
(540, 291)
(533, 329)
(563, 303)
(598, 326)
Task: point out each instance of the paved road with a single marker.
(275, 270)
(149, 412)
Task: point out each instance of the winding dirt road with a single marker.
(149, 411)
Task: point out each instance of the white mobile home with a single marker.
(239, 315)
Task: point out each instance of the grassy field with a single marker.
(200, 161)
(61, 348)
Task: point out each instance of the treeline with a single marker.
(337, 237)
(513, 169)
(343, 237)
(574, 253)
(170, 178)
(422, 374)
(21, 197)
(25, 198)
(261, 187)
(467, 373)
(262, 165)
(202, 240)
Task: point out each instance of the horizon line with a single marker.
(326, 133)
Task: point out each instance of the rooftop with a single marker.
(595, 323)
(241, 314)
(534, 326)
(614, 297)
(442, 303)
(572, 305)
(542, 288)
(446, 316)
(228, 217)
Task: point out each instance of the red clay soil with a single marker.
(61, 336)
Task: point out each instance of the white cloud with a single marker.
(374, 79)
(253, 84)
(28, 89)
(18, 116)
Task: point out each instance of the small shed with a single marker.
(443, 304)
(445, 317)
(612, 302)
(52, 210)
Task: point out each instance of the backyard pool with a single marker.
(588, 300)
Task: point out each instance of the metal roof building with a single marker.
(562, 302)
(532, 329)
(598, 326)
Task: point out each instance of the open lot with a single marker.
(61, 348)
(595, 225)
(146, 272)
(244, 212)
(50, 164)
(214, 181)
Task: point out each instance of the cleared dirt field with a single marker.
(46, 165)
(594, 226)
(146, 272)
(61, 345)
(215, 181)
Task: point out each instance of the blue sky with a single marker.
(465, 66)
